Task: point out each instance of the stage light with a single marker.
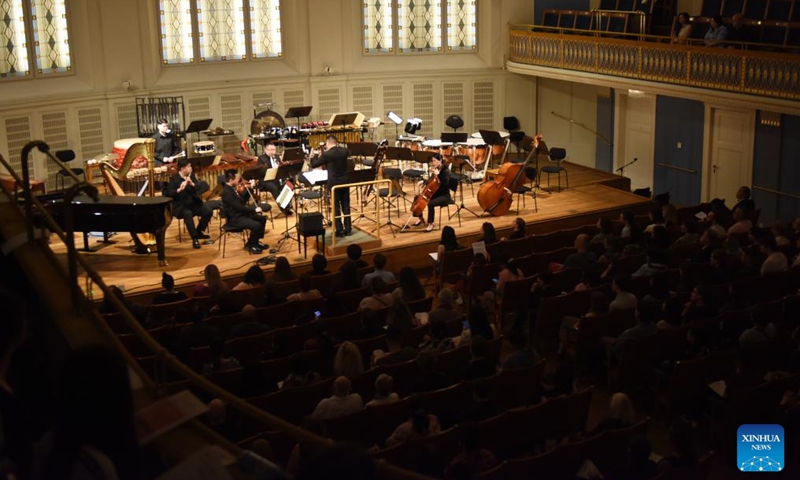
(412, 125)
(397, 119)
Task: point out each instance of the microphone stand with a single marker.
(621, 171)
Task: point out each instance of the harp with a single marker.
(112, 176)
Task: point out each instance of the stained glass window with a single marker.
(378, 26)
(406, 26)
(33, 31)
(175, 20)
(219, 30)
(265, 28)
(461, 25)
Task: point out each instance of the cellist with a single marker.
(442, 196)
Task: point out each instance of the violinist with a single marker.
(271, 160)
(442, 195)
(335, 157)
(185, 189)
(240, 215)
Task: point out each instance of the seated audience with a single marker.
(384, 391)
(223, 304)
(196, 334)
(775, 261)
(518, 229)
(430, 379)
(253, 278)
(623, 298)
(478, 366)
(689, 238)
(249, 324)
(717, 33)
(656, 263)
(489, 233)
(737, 32)
(760, 333)
(348, 362)
(656, 220)
(212, 283)
(379, 263)
(370, 325)
(107, 307)
(583, 258)
(342, 402)
(472, 460)
(683, 29)
(709, 241)
(521, 355)
(283, 271)
(436, 339)
(420, 424)
(742, 225)
(682, 443)
(646, 313)
(477, 326)
(400, 317)
(620, 414)
(697, 307)
(509, 272)
(446, 311)
(606, 227)
(638, 465)
(409, 288)
(630, 229)
(301, 374)
(354, 252)
(306, 291)
(220, 360)
(319, 265)
(396, 352)
(712, 220)
(380, 297)
(783, 237)
(169, 295)
(217, 416)
(743, 200)
(483, 406)
(613, 250)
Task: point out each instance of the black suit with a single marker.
(239, 215)
(187, 203)
(336, 160)
(166, 146)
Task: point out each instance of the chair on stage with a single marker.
(453, 186)
(66, 156)
(521, 192)
(391, 196)
(557, 156)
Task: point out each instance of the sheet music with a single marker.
(270, 174)
(286, 195)
(316, 176)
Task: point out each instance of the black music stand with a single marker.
(344, 119)
(298, 112)
(357, 176)
(287, 171)
(459, 161)
(293, 154)
(198, 126)
(453, 137)
(490, 138)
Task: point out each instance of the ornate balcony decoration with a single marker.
(762, 73)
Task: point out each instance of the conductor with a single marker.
(271, 160)
(335, 157)
(240, 215)
(167, 146)
(185, 189)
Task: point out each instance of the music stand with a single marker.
(293, 154)
(459, 161)
(344, 119)
(287, 172)
(454, 138)
(491, 138)
(357, 176)
(297, 112)
(198, 126)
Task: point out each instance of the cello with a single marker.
(495, 197)
(420, 202)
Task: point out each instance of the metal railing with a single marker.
(377, 210)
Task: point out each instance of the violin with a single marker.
(495, 197)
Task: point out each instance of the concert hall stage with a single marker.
(592, 193)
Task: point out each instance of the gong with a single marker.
(266, 120)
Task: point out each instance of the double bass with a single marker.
(495, 197)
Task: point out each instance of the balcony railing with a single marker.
(642, 57)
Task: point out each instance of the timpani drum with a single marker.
(121, 147)
(413, 145)
(476, 150)
(444, 148)
(206, 147)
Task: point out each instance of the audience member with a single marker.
(713, 224)
(681, 441)
(606, 227)
(379, 262)
(354, 252)
(396, 352)
(342, 402)
(509, 272)
(472, 460)
(283, 271)
(419, 425)
(656, 219)
(222, 304)
(717, 33)
(630, 229)
(429, 379)
(479, 366)
(775, 261)
(683, 29)
(478, 325)
(623, 298)
(783, 236)
(638, 465)
(742, 225)
(656, 263)
(743, 200)
(521, 355)
(489, 233)
(446, 311)
(709, 242)
(737, 32)
(212, 283)
(253, 278)
(217, 419)
(301, 374)
(139, 312)
(612, 250)
(303, 451)
(306, 292)
(436, 339)
(400, 317)
(169, 295)
(646, 313)
(409, 289)
(196, 334)
(384, 391)
(760, 333)
(380, 298)
(249, 324)
(319, 265)
(370, 325)
(518, 229)
(348, 362)
(583, 258)
(689, 237)
(697, 307)
(620, 414)
(483, 407)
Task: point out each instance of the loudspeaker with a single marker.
(310, 224)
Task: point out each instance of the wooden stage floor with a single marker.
(592, 193)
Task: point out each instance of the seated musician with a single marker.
(271, 160)
(167, 144)
(184, 189)
(442, 195)
(241, 215)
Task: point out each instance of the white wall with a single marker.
(560, 102)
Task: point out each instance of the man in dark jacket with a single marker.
(335, 157)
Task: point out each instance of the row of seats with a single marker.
(781, 10)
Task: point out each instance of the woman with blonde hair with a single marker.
(212, 284)
(348, 362)
(620, 414)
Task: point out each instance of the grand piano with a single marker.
(115, 213)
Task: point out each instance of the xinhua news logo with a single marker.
(760, 448)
